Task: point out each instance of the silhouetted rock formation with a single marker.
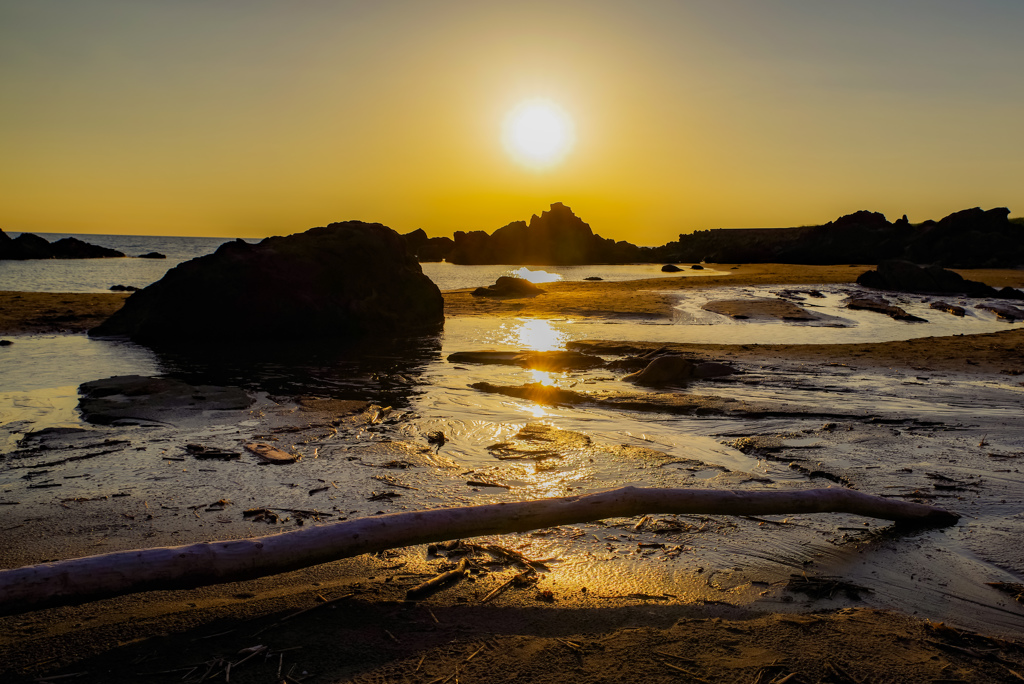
(344, 280)
(967, 239)
(507, 286)
(556, 237)
(670, 268)
(903, 276)
(29, 246)
(427, 248)
(152, 255)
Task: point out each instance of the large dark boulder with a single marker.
(25, 246)
(30, 246)
(507, 286)
(73, 248)
(345, 280)
(904, 276)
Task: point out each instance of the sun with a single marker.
(538, 133)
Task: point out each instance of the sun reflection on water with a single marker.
(534, 334)
(535, 276)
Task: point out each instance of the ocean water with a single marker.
(98, 275)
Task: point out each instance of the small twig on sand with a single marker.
(686, 672)
(512, 580)
(438, 581)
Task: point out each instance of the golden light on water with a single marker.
(538, 134)
(536, 276)
(536, 334)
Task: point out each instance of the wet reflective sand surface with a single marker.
(952, 439)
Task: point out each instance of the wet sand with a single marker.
(346, 621)
(45, 313)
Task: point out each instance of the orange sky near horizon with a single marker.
(255, 118)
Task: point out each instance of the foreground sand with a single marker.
(346, 621)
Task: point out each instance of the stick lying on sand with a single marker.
(182, 567)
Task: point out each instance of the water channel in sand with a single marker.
(882, 431)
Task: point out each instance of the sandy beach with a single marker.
(807, 618)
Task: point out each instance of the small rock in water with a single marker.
(670, 268)
(123, 288)
(436, 437)
(5, 343)
(507, 286)
(152, 255)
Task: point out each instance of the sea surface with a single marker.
(904, 430)
(98, 275)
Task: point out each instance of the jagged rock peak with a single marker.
(860, 218)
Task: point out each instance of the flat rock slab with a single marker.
(1003, 311)
(546, 361)
(762, 308)
(136, 398)
(682, 403)
(880, 305)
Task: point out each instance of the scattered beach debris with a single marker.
(272, 454)
(482, 483)
(392, 482)
(202, 452)
(439, 581)
(383, 496)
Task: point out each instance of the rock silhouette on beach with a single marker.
(556, 237)
(904, 276)
(880, 305)
(973, 238)
(29, 246)
(343, 281)
(507, 286)
(427, 248)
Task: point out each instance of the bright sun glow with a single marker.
(538, 133)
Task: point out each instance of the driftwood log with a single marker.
(184, 567)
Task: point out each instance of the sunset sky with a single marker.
(257, 117)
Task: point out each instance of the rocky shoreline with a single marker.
(350, 620)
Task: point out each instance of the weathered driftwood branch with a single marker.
(181, 567)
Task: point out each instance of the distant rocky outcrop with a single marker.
(904, 276)
(972, 238)
(556, 237)
(28, 246)
(427, 248)
(152, 255)
(342, 281)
